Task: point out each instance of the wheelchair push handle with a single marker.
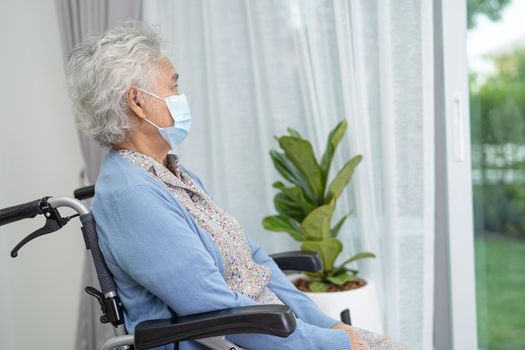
(46, 206)
(22, 211)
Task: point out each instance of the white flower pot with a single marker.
(362, 303)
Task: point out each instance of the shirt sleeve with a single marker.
(299, 302)
(156, 245)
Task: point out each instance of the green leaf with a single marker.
(286, 168)
(318, 287)
(301, 154)
(297, 194)
(298, 197)
(283, 166)
(315, 276)
(342, 178)
(316, 226)
(335, 230)
(341, 269)
(333, 140)
(278, 184)
(359, 256)
(329, 249)
(288, 207)
(279, 223)
(294, 133)
(341, 278)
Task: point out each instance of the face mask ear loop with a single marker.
(152, 94)
(146, 119)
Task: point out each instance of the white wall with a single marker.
(39, 155)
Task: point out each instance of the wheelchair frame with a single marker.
(206, 328)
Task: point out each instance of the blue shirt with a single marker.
(165, 265)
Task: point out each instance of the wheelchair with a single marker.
(208, 328)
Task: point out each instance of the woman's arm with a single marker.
(153, 242)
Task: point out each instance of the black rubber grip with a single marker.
(19, 212)
(84, 192)
(91, 238)
(298, 261)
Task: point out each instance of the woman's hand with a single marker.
(357, 342)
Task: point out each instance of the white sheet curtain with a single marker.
(252, 68)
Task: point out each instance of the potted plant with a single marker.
(305, 208)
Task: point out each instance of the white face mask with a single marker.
(181, 115)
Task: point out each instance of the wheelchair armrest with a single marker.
(84, 192)
(276, 320)
(298, 261)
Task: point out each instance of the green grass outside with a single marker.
(500, 288)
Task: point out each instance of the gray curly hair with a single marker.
(100, 71)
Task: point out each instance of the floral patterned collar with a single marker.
(171, 174)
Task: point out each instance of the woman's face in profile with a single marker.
(157, 110)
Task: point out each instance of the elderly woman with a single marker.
(171, 248)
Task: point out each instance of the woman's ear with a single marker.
(136, 102)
